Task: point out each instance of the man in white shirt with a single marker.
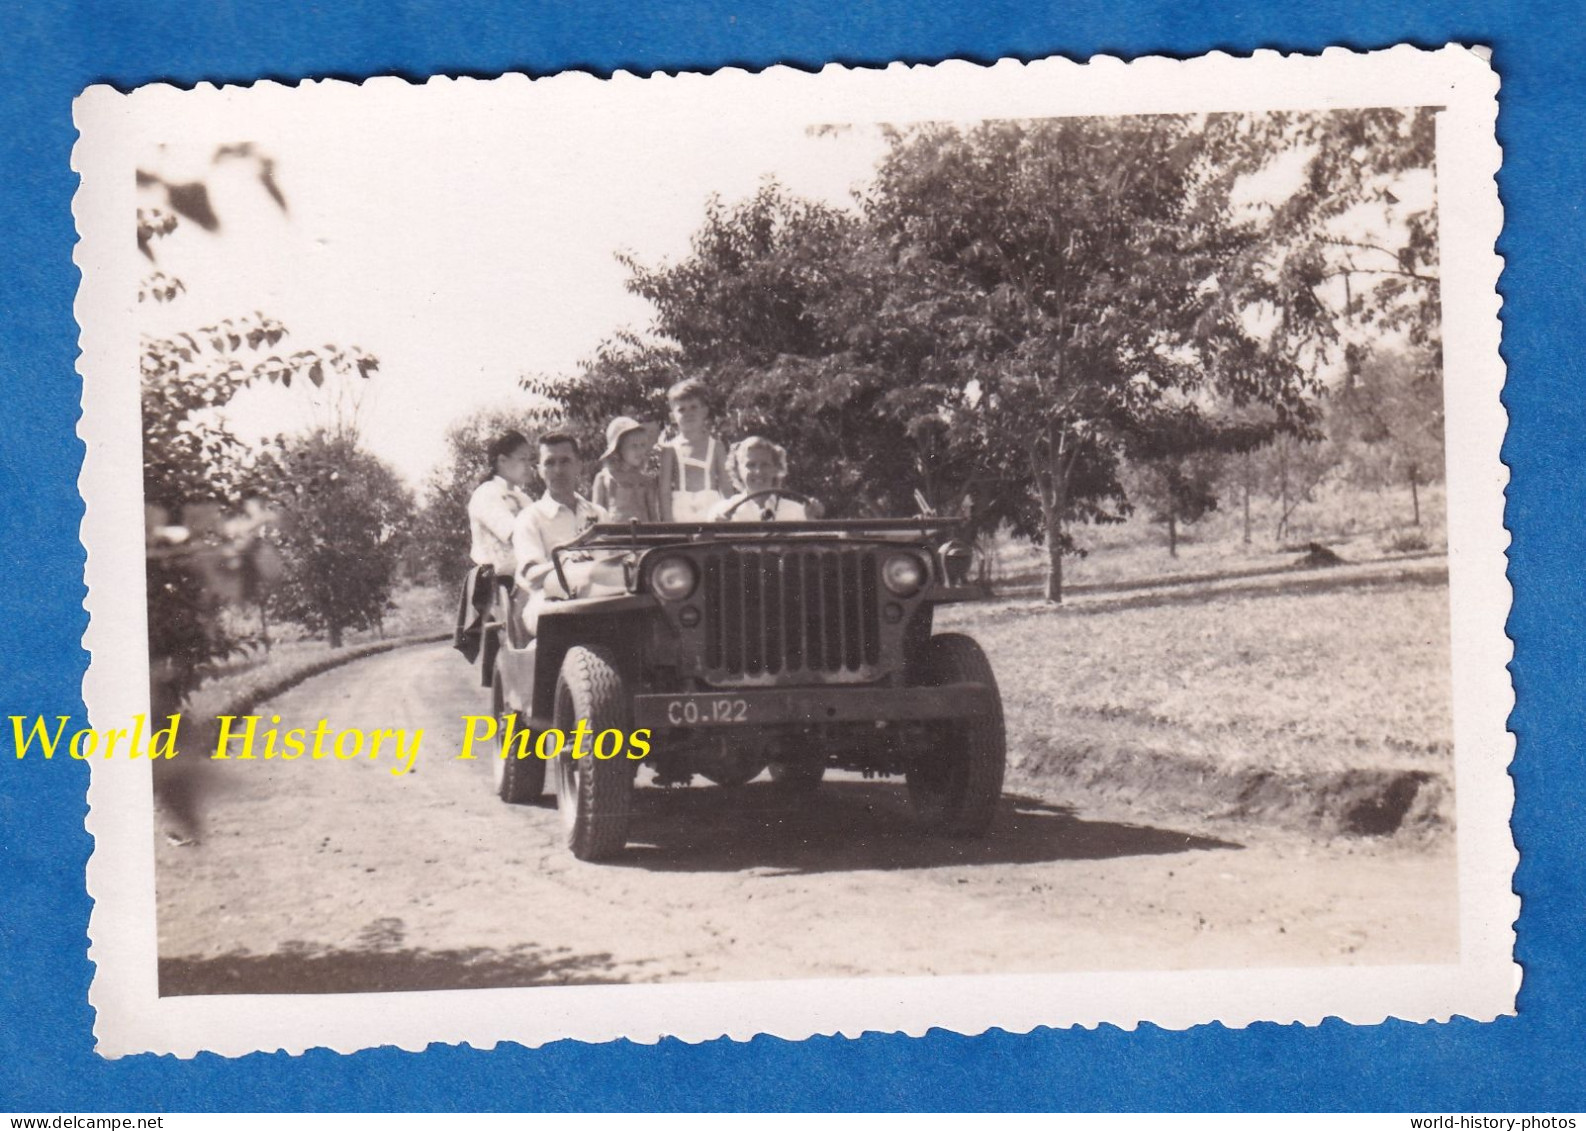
(554, 519)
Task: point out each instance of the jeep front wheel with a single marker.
(519, 781)
(593, 796)
(955, 785)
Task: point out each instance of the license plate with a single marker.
(706, 710)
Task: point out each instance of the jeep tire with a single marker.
(954, 786)
(519, 781)
(593, 796)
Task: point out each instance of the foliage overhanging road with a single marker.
(328, 876)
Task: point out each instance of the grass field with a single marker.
(1311, 704)
(1358, 525)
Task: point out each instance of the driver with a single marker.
(554, 519)
(759, 466)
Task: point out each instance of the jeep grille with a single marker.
(790, 610)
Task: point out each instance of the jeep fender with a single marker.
(621, 625)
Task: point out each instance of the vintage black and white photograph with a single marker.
(795, 553)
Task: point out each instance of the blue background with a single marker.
(50, 51)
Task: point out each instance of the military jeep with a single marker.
(796, 647)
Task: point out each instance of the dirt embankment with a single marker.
(1363, 801)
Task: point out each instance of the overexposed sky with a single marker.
(462, 253)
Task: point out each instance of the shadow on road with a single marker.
(857, 825)
(305, 970)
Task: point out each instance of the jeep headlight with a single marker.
(673, 578)
(904, 574)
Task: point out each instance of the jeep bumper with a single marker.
(811, 705)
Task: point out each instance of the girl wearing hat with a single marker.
(624, 487)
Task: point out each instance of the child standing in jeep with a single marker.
(693, 463)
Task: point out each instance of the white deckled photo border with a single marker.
(131, 1015)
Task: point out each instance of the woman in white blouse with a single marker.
(494, 506)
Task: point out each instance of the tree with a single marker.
(1359, 161)
(1016, 307)
(1392, 410)
(189, 454)
(774, 309)
(1092, 281)
(345, 521)
(194, 467)
(1175, 469)
(1293, 469)
(1179, 492)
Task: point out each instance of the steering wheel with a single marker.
(796, 496)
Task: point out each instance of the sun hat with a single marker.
(616, 430)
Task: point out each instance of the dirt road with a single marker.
(340, 876)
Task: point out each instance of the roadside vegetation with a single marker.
(417, 612)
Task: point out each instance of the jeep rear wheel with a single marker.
(954, 787)
(594, 796)
(519, 781)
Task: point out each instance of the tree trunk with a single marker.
(1247, 498)
(1054, 552)
(264, 626)
(1054, 503)
(1283, 489)
(1415, 496)
(335, 636)
(1172, 534)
